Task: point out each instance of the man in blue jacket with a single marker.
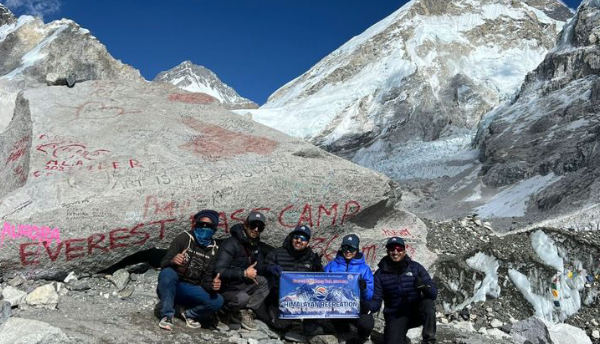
(407, 292)
(348, 259)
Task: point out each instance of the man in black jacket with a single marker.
(241, 264)
(408, 293)
(294, 255)
(187, 277)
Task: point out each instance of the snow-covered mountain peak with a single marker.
(195, 78)
(430, 69)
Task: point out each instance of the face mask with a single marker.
(204, 236)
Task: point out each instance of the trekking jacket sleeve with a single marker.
(223, 262)
(431, 292)
(368, 277)
(178, 245)
(375, 302)
(317, 265)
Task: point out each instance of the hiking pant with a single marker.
(397, 324)
(364, 325)
(250, 295)
(199, 304)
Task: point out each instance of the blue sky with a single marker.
(255, 46)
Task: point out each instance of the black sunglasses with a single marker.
(257, 224)
(349, 249)
(205, 225)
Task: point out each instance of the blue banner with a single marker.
(305, 295)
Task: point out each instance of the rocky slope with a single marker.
(194, 78)
(411, 90)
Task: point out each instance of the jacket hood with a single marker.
(359, 259)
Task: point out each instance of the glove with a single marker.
(362, 284)
(275, 270)
(420, 285)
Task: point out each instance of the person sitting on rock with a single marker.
(294, 255)
(187, 278)
(407, 292)
(348, 259)
(241, 264)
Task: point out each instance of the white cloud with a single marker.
(38, 8)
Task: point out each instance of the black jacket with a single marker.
(292, 260)
(200, 266)
(236, 254)
(395, 285)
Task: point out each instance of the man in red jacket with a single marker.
(187, 278)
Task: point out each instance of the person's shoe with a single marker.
(166, 323)
(247, 320)
(189, 322)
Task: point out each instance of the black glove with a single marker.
(420, 285)
(362, 284)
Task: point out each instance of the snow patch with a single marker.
(489, 286)
(542, 306)
(512, 201)
(544, 246)
(6, 30)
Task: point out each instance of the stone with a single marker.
(596, 334)
(237, 340)
(495, 323)
(5, 311)
(14, 296)
(323, 339)
(43, 297)
(464, 326)
(1, 296)
(79, 285)
(295, 336)
(594, 322)
(567, 334)
(17, 281)
(71, 277)
(258, 335)
(270, 341)
(483, 330)
(494, 332)
(120, 279)
(126, 292)
(533, 329)
(265, 328)
(29, 331)
(146, 170)
(252, 341)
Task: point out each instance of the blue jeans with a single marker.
(199, 303)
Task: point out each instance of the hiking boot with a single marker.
(247, 320)
(189, 322)
(166, 323)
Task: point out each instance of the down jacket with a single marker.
(292, 260)
(357, 264)
(200, 261)
(235, 255)
(395, 285)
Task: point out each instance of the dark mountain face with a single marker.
(6, 17)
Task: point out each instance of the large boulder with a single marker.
(106, 169)
(28, 331)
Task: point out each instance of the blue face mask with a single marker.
(204, 236)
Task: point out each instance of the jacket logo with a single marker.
(409, 273)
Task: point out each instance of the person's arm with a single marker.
(329, 267)
(375, 302)
(368, 277)
(209, 276)
(425, 284)
(175, 248)
(223, 263)
(317, 265)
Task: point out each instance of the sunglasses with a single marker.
(205, 225)
(257, 225)
(350, 249)
(301, 237)
(396, 249)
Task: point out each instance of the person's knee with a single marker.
(168, 275)
(216, 302)
(239, 301)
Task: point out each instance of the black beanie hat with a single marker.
(211, 214)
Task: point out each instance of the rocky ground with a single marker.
(118, 307)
